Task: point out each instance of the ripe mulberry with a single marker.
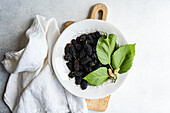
(82, 54)
(76, 65)
(69, 65)
(67, 48)
(71, 74)
(79, 73)
(98, 35)
(83, 38)
(88, 49)
(85, 60)
(73, 42)
(78, 80)
(91, 64)
(84, 84)
(68, 57)
(78, 47)
(94, 56)
(72, 51)
(90, 39)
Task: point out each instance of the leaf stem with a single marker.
(110, 66)
(116, 78)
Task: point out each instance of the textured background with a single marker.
(145, 22)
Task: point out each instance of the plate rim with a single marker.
(53, 58)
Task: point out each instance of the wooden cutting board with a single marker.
(96, 104)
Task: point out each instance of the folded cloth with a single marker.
(32, 86)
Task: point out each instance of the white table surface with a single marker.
(144, 22)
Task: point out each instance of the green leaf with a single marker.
(123, 58)
(105, 48)
(97, 77)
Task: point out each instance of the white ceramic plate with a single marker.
(59, 64)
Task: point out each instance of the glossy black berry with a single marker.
(94, 56)
(78, 47)
(94, 42)
(85, 60)
(98, 35)
(68, 57)
(72, 51)
(83, 37)
(79, 73)
(77, 54)
(69, 65)
(78, 40)
(82, 57)
(98, 65)
(88, 70)
(94, 48)
(73, 42)
(92, 35)
(90, 39)
(78, 80)
(81, 67)
(76, 65)
(67, 48)
(86, 42)
(91, 64)
(88, 49)
(82, 54)
(71, 74)
(84, 84)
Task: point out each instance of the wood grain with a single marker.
(96, 9)
(96, 104)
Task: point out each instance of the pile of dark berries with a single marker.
(82, 58)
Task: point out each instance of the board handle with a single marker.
(96, 9)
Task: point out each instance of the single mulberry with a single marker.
(78, 40)
(88, 49)
(94, 56)
(85, 60)
(94, 42)
(67, 48)
(84, 84)
(78, 47)
(90, 39)
(91, 64)
(81, 67)
(78, 80)
(89, 69)
(94, 48)
(71, 74)
(92, 35)
(69, 65)
(82, 54)
(79, 73)
(98, 65)
(68, 57)
(72, 51)
(76, 65)
(73, 42)
(98, 35)
(83, 38)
